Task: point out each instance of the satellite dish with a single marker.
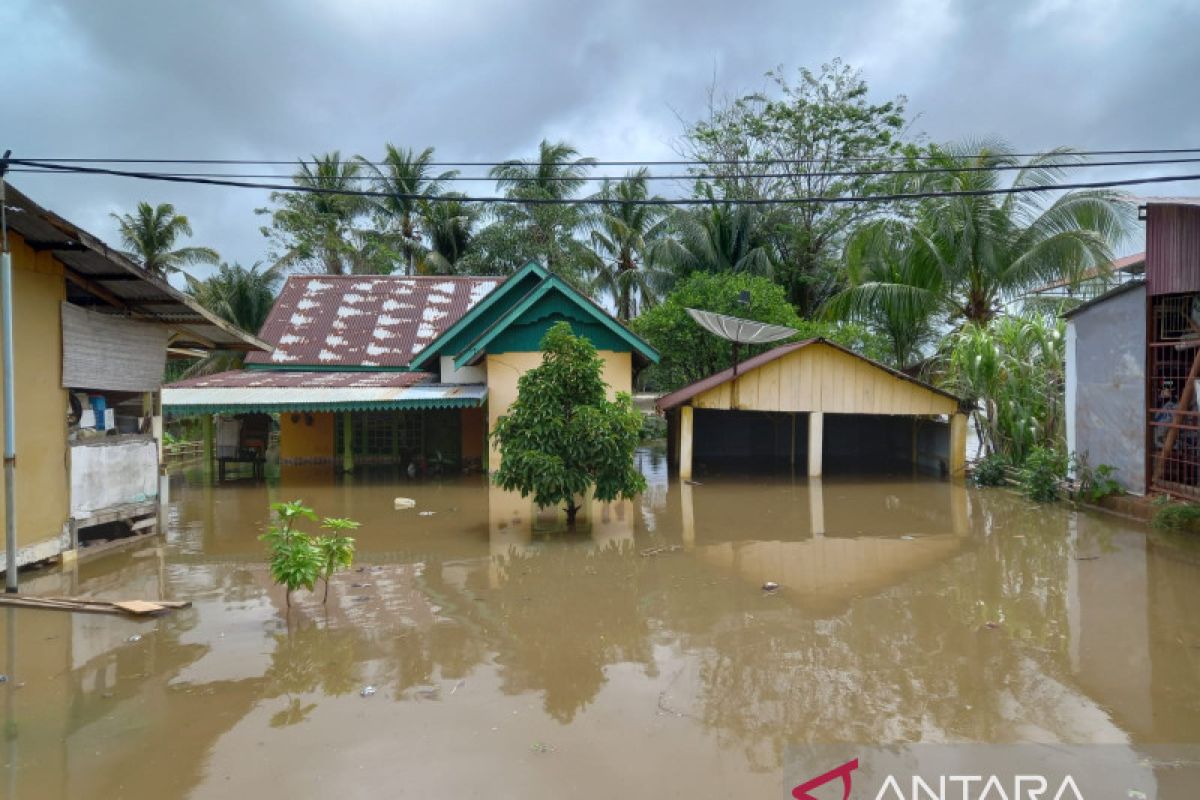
(739, 331)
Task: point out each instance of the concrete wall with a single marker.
(505, 369)
(38, 289)
(300, 442)
(1106, 386)
(111, 471)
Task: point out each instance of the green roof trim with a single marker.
(586, 313)
(365, 405)
(481, 316)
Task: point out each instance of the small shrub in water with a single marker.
(298, 560)
(1042, 473)
(1172, 516)
(990, 470)
(1095, 484)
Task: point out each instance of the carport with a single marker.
(820, 406)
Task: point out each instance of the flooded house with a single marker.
(814, 405)
(1133, 359)
(411, 371)
(92, 331)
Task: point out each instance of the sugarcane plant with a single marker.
(298, 560)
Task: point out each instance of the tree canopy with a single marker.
(150, 233)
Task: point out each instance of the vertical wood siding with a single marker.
(1172, 248)
(823, 378)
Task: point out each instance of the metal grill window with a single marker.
(383, 433)
(1173, 370)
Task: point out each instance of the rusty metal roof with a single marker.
(105, 280)
(357, 321)
(242, 391)
(682, 396)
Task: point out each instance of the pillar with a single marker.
(816, 435)
(958, 444)
(347, 443)
(687, 515)
(685, 443)
(816, 507)
(206, 431)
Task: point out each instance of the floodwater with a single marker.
(638, 657)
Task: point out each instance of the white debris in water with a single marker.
(426, 513)
(404, 502)
(367, 691)
(137, 637)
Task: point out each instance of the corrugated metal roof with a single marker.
(681, 396)
(364, 320)
(105, 280)
(244, 391)
(1128, 286)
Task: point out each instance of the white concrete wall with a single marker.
(1106, 386)
(465, 375)
(113, 470)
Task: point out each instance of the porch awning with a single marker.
(266, 391)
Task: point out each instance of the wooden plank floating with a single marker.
(136, 608)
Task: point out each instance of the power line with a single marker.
(630, 163)
(840, 199)
(707, 176)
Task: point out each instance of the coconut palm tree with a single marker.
(557, 174)
(448, 223)
(719, 237)
(961, 259)
(239, 295)
(624, 234)
(149, 236)
(405, 175)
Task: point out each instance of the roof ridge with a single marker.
(322, 276)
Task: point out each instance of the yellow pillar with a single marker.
(687, 515)
(958, 444)
(685, 443)
(816, 435)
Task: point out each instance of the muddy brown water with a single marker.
(636, 657)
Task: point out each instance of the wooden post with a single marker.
(206, 428)
(347, 443)
(958, 444)
(816, 435)
(685, 443)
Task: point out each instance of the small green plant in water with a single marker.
(1095, 484)
(1042, 473)
(298, 560)
(990, 470)
(1172, 516)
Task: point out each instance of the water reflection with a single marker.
(909, 611)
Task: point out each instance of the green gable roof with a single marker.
(553, 299)
(470, 325)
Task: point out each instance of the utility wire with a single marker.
(527, 201)
(703, 176)
(654, 163)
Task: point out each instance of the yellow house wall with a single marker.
(505, 369)
(300, 442)
(823, 378)
(41, 413)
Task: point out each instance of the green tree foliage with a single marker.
(624, 236)
(449, 225)
(961, 259)
(400, 217)
(326, 232)
(149, 236)
(562, 437)
(690, 353)
(721, 237)
(298, 560)
(789, 142)
(239, 295)
(1012, 370)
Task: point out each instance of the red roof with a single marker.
(681, 396)
(281, 379)
(363, 320)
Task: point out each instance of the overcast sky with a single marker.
(278, 79)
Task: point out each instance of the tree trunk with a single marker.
(572, 510)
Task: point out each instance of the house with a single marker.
(92, 331)
(413, 371)
(816, 405)
(1133, 359)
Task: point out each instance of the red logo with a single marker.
(801, 792)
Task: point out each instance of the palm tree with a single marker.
(406, 176)
(239, 295)
(720, 237)
(963, 258)
(556, 175)
(448, 224)
(149, 236)
(318, 227)
(624, 234)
